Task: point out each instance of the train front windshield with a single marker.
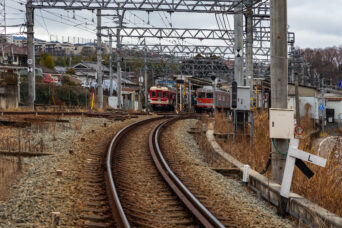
(201, 95)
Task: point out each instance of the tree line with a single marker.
(326, 62)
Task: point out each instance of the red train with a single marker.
(162, 98)
(205, 98)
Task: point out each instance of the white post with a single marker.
(292, 155)
(245, 176)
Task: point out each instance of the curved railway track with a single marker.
(143, 190)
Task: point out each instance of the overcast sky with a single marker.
(317, 23)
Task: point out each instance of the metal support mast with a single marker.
(238, 30)
(30, 53)
(110, 65)
(99, 61)
(3, 17)
(279, 77)
(249, 51)
(118, 58)
(296, 84)
(146, 84)
(323, 103)
(249, 64)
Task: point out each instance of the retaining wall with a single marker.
(8, 97)
(299, 207)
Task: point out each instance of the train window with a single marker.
(209, 95)
(153, 94)
(159, 94)
(201, 95)
(164, 94)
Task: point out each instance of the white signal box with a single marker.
(281, 123)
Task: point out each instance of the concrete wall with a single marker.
(313, 101)
(298, 206)
(337, 105)
(8, 97)
(303, 91)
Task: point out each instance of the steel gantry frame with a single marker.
(170, 6)
(194, 33)
(199, 67)
(261, 30)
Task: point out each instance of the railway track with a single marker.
(143, 190)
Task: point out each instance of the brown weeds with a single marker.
(8, 173)
(324, 189)
(255, 155)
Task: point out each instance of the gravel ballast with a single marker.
(226, 198)
(41, 191)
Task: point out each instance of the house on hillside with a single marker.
(11, 54)
(86, 71)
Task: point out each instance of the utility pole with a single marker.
(323, 103)
(214, 95)
(296, 84)
(189, 95)
(141, 80)
(279, 78)
(249, 51)
(118, 50)
(238, 31)
(181, 97)
(152, 69)
(110, 65)
(30, 54)
(146, 85)
(99, 61)
(249, 65)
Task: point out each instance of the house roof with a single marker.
(45, 69)
(24, 38)
(60, 69)
(333, 98)
(89, 65)
(16, 50)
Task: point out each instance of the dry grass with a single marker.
(221, 124)
(9, 172)
(257, 155)
(324, 189)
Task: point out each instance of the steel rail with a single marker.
(115, 204)
(190, 201)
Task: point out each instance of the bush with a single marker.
(70, 71)
(47, 94)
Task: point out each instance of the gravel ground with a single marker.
(226, 197)
(40, 191)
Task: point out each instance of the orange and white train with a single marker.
(162, 98)
(205, 99)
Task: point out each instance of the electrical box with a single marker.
(243, 98)
(281, 123)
